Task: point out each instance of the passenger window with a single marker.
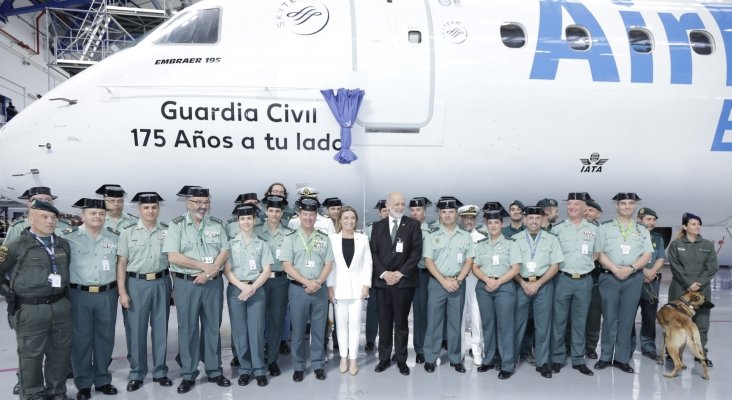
(701, 42)
(198, 27)
(415, 37)
(513, 35)
(578, 38)
(640, 40)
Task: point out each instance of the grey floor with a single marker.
(445, 383)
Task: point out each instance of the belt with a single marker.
(187, 277)
(149, 276)
(576, 276)
(247, 282)
(532, 278)
(296, 283)
(95, 289)
(39, 300)
(607, 271)
(276, 274)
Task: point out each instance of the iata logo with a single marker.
(302, 17)
(454, 32)
(593, 164)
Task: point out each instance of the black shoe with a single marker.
(403, 368)
(582, 368)
(556, 367)
(601, 364)
(504, 375)
(297, 376)
(220, 381)
(623, 367)
(185, 386)
(459, 367)
(107, 389)
(164, 381)
(545, 371)
(369, 346)
(16, 388)
(709, 362)
(235, 362)
(284, 348)
(485, 367)
(382, 366)
(243, 380)
(274, 369)
(591, 354)
(133, 385)
(650, 354)
(84, 394)
(429, 367)
(320, 374)
(419, 359)
(262, 380)
(393, 358)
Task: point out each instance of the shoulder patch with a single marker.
(214, 219)
(178, 220)
(116, 232)
(322, 232)
(433, 229)
(164, 225)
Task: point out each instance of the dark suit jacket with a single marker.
(385, 257)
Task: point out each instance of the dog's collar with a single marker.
(686, 303)
(690, 311)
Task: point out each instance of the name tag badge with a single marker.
(252, 265)
(54, 280)
(309, 264)
(625, 248)
(496, 259)
(460, 258)
(531, 266)
(585, 248)
(277, 253)
(105, 265)
(208, 260)
(399, 246)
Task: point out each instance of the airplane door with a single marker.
(393, 54)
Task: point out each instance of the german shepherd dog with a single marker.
(679, 330)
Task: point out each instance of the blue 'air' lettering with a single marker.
(723, 15)
(641, 64)
(724, 125)
(678, 42)
(550, 47)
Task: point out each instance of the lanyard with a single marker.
(50, 250)
(304, 243)
(625, 231)
(536, 243)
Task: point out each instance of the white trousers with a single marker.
(348, 326)
(475, 340)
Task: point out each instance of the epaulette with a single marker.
(594, 223)
(322, 231)
(486, 233)
(128, 226)
(232, 219)
(433, 229)
(549, 232)
(177, 220)
(287, 228)
(164, 225)
(17, 221)
(463, 229)
(607, 222)
(482, 240)
(116, 232)
(511, 239)
(214, 219)
(261, 238)
(290, 233)
(70, 230)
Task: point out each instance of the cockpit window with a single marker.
(701, 42)
(513, 35)
(640, 40)
(198, 27)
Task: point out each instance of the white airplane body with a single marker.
(449, 109)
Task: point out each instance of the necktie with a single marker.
(394, 230)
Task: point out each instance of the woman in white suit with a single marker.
(349, 283)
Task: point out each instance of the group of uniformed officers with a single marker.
(531, 290)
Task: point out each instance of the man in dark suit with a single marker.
(396, 246)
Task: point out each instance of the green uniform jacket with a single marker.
(27, 261)
(691, 262)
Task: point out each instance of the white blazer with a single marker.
(347, 282)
